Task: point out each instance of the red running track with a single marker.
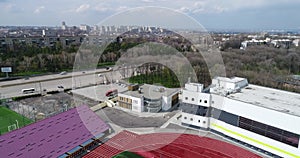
(169, 145)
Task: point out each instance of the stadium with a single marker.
(253, 121)
(164, 145)
(62, 134)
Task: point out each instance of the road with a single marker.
(73, 80)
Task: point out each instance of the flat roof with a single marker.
(54, 136)
(151, 91)
(98, 92)
(279, 100)
(231, 80)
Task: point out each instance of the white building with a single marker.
(148, 98)
(296, 42)
(264, 118)
(84, 27)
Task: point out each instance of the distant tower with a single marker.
(44, 33)
(64, 26)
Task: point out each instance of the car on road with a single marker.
(108, 68)
(29, 90)
(63, 73)
(60, 86)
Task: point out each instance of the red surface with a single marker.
(169, 145)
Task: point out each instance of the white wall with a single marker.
(254, 137)
(166, 102)
(260, 114)
(137, 104)
(195, 98)
(196, 87)
(195, 120)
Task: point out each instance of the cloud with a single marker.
(226, 11)
(82, 8)
(106, 8)
(39, 9)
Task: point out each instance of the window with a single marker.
(186, 98)
(259, 125)
(191, 119)
(258, 130)
(290, 138)
(199, 121)
(185, 118)
(205, 101)
(269, 131)
(193, 99)
(200, 100)
(202, 111)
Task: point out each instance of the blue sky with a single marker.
(219, 14)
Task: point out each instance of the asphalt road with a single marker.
(73, 80)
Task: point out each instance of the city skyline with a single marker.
(215, 14)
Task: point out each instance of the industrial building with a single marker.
(148, 98)
(69, 134)
(261, 118)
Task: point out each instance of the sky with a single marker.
(215, 14)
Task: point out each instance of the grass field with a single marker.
(127, 154)
(9, 117)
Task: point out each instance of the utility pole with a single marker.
(41, 88)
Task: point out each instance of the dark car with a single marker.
(60, 86)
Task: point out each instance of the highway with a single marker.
(73, 80)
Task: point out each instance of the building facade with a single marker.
(148, 98)
(255, 116)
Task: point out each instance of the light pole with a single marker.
(17, 124)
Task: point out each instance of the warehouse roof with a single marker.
(274, 99)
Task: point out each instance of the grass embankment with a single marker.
(127, 154)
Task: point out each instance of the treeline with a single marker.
(28, 59)
(165, 78)
(263, 65)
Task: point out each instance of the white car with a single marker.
(63, 73)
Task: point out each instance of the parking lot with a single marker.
(97, 93)
(127, 120)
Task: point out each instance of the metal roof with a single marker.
(54, 136)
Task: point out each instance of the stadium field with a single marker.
(127, 154)
(10, 120)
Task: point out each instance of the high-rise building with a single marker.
(64, 26)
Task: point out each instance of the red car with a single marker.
(111, 92)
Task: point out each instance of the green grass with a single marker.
(127, 154)
(100, 65)
(29, 73)
(9, 117)
(169, 81)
